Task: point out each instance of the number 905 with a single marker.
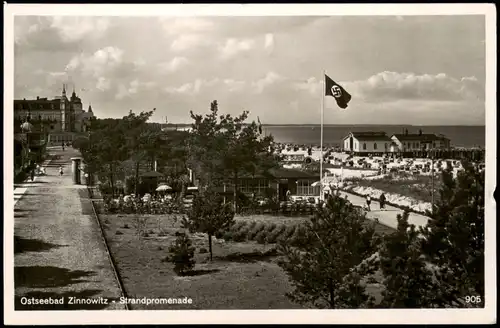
(473, 299)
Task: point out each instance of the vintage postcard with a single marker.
(250, 164)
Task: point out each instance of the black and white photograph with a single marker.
(166, 159)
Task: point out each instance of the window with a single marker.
(375, 146)
(52, 127)
(304, 188)
(364, 146)
(385, 145)
(434, 144)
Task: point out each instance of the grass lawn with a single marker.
(419, 187)
(234, 283)
(232, 280)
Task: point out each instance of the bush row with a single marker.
(265, 233)
(285, 208)
(139, 207)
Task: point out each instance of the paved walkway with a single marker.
(59, 251)
(389, 216)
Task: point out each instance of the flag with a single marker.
(260, 125)
(333, 89)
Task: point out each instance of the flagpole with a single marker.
(321, 139)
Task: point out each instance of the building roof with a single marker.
(369, 136)
(419, 137)
(283, 173)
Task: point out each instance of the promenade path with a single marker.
(59, 251)
(389, 216)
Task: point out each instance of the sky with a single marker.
(421, 70)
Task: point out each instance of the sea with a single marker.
(460, 136)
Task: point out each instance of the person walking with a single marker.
(62, 145)
(32, 174)
(61, 170)
(382, 202)
(368, 202)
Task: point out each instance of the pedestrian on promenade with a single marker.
(32, 173)
(61, 170)
(62, 146)
(382, 202)
(368, 202)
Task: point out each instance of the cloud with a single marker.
(234, 85)
(268, 80)
(58, 33)
(102, 60)
(269, 41)
(185, 25)
(234, 46)
(387, 86)
(103, 84)
(312, 85)
(134, 87)
(187, 42)
(194, 87)
(268, 65)
(175, 64)
(77, 28)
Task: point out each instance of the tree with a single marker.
(222, 148)
(182, 254)
(107, 149)
(408, 280)
(209, 215)
(454, 239)
(327, 270)
(142, 140)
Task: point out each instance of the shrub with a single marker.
(219, 234)
(125, 226)
(237, 226)
(252, 224)
(246, 228)
(182, 254)
(228, 235)
(256, 229)
(261, 237)
(270, 227)
(299, 236)
(118, 232)
(203, 250)
(287, 234)
(240, 235)
(140, 223)
(273, 236)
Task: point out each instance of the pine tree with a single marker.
(182, 254)
(408, 280)
(328, 268)
(454, 239)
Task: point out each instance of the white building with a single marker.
(419, 141)
(366, 143)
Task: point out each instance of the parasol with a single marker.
(163, 187)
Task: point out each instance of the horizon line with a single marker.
(344, 124)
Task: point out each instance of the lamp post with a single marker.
(90, 177)
(431, 155)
